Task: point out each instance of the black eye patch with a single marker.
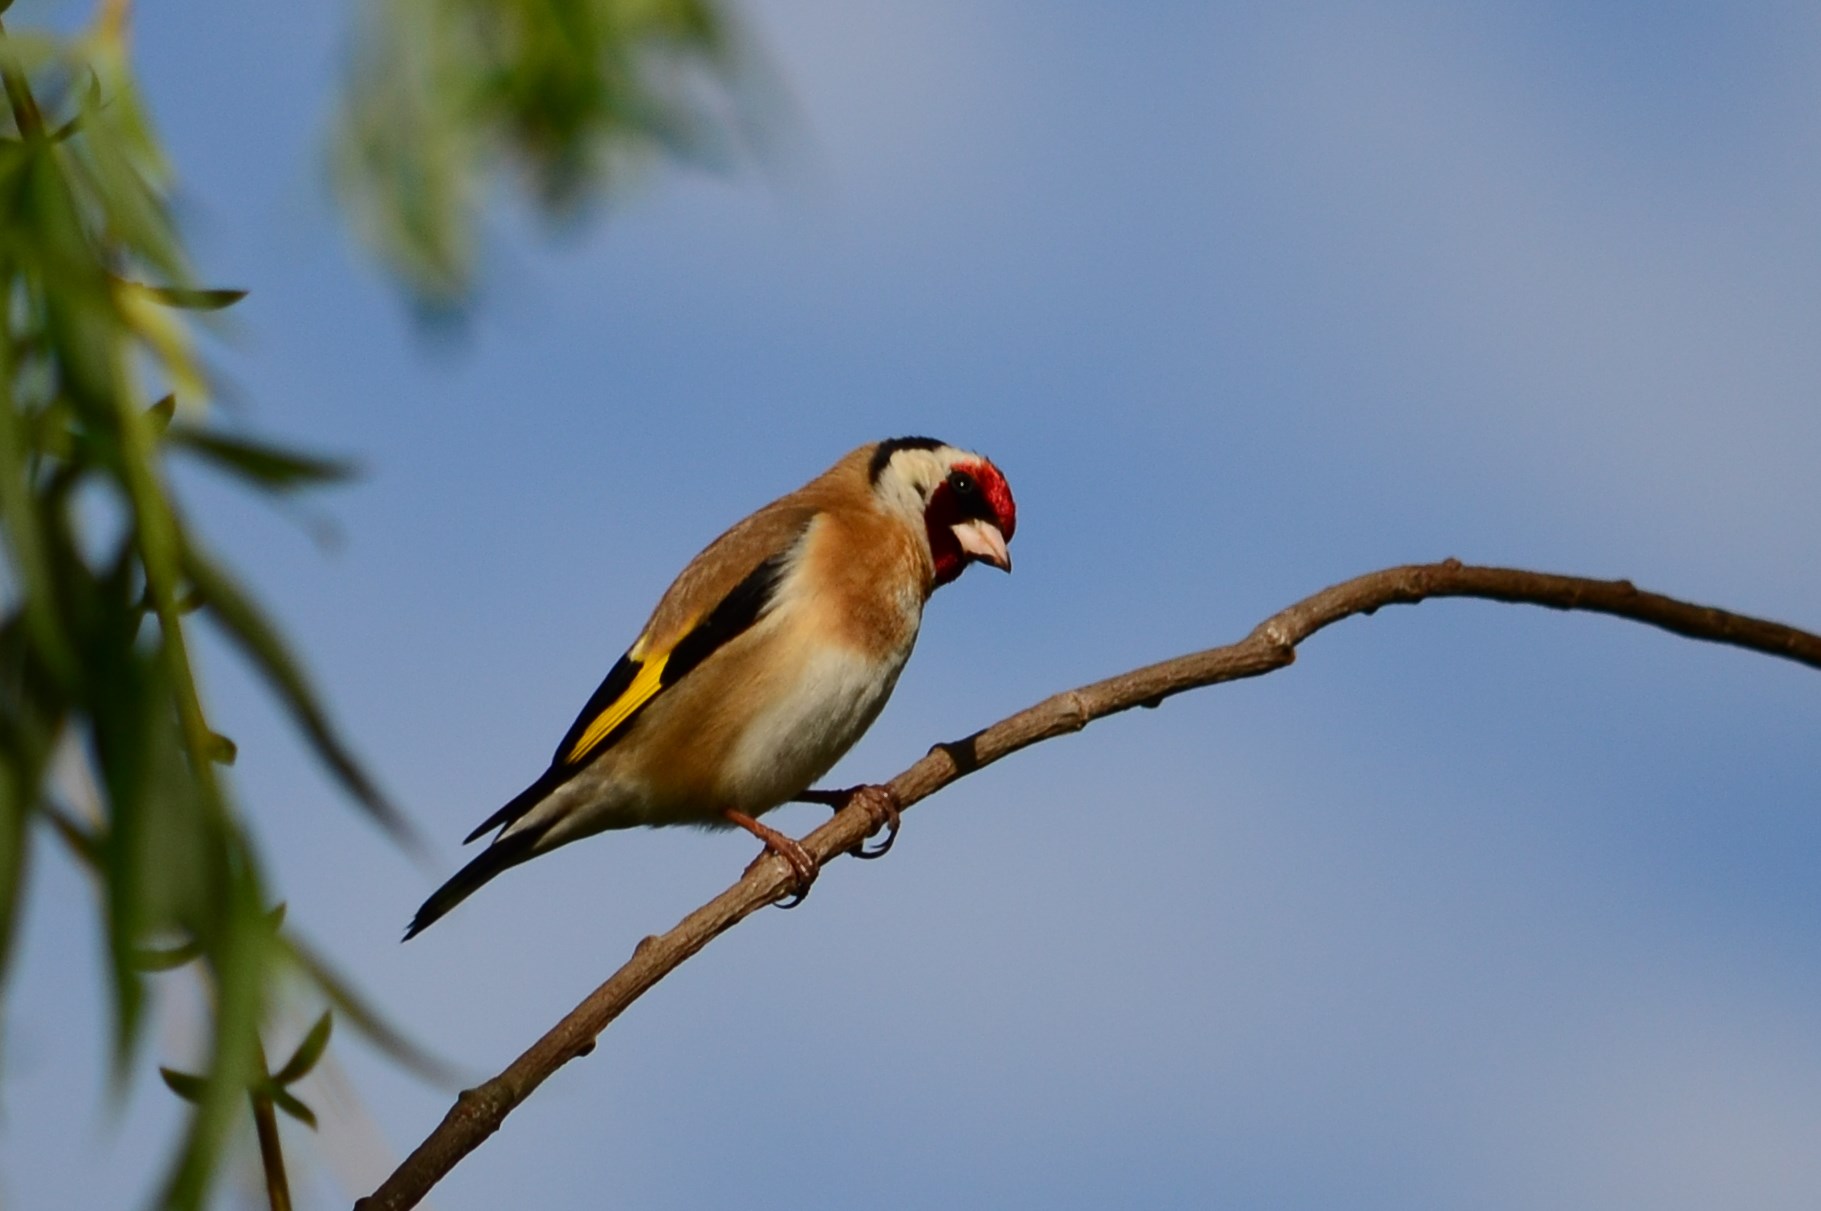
(970, 501)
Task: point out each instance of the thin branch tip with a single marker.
(1270, 646)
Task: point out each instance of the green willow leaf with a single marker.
(15, 817)
(69, 129)
(113, 158)
(32, 710)
(125, 738)
(364, 1018)
(241, 959)
(186, 1085)
(74, 126)
(267, 465)
(443, 96)
(308, 1052)
(286, 1101)
(222, 751)
(82, 841)
(24, 524)
(153, 958)
(189, 299)
(247, 626)
(96, 569)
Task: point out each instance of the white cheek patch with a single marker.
(912, 476)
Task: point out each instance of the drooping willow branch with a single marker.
(479, 1112)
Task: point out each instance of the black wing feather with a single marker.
(738, 611)
(522, 802)
(612, 686)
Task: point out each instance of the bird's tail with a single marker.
(506, 852)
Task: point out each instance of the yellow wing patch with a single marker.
(648, 681)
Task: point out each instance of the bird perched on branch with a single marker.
(764, 662)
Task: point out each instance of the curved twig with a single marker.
(479, 1112)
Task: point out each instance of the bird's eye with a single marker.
(961, 483)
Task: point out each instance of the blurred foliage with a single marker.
(106, 749)
(572, 95)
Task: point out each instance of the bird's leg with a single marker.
(880, 803)
(801, 864)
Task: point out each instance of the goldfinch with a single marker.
(765, 660)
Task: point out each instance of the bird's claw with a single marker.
(881, 805)
(803, 867)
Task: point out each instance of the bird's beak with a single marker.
(984, 542)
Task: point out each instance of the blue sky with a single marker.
(1475, 905)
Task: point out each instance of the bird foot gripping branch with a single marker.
(881, 806)
(803, 865)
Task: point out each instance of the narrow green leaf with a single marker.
(285, 1101)
(25, 529)
(194, 299)
(308, 1052)
(367, 1020)
(185, 1085)
(246, 625)
(241, 961)
(92, 100)
(268, 465)
(32, 710)
(162, 412)
(154, 958)
(129, 733)
(82, 840)
(222, 751)
(15, 816)
(113, 157)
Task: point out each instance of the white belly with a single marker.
(836, 696)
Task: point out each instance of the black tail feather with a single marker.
(522, 802)
(502, 854)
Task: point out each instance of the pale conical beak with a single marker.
(984, 542)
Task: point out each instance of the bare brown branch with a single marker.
(271, 1154)
(479, 1112)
